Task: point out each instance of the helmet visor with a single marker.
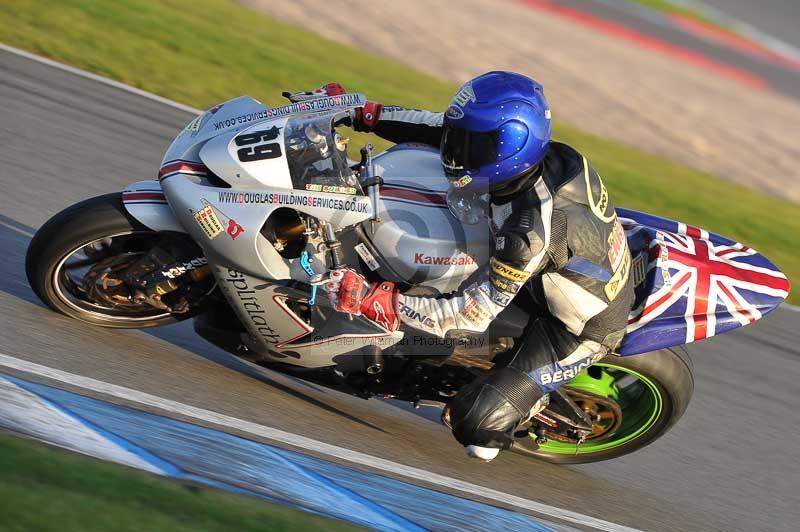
(463, 150)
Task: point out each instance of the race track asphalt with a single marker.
(782, 79)
(774, 17)
(730, 464)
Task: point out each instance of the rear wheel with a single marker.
(75, 260)
(632, 401)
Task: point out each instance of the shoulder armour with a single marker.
(587, 188)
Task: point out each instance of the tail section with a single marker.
(693, 284)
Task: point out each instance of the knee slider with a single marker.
(484, 411)
(519, 389)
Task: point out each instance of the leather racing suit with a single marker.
(555, 233)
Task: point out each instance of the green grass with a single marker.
(44, 488)
(202, 52)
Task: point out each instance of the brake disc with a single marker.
(605, 414)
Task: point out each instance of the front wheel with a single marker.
(632, 400)
(77, 264)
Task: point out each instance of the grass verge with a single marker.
(201, 52)
(49, 489)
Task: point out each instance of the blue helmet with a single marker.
(496, 129)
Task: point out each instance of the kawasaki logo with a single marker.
(456, 260)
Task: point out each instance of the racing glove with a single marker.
(350, 293)
(331, 89)
(361, 119)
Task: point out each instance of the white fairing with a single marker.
(418, 236)
(232, 115)
(280, 333)
(219, 155)
(208, 145)
(146, 202)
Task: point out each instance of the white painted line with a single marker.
(16, 229)
(100, 79)
(302, 442)
(31, 415)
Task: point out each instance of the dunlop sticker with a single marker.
(507, 272)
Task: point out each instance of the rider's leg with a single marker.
(485, 412)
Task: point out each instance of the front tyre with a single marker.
(94, 237)
(652, 392)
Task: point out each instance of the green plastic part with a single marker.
(597, 381)
(641, 407)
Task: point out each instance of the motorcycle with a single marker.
(253, 206)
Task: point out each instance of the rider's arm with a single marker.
(399, 124)
(520, 253)
(391, 122)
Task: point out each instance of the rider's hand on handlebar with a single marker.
(361, 119)
(346, 289)
(350, 293)
(367, 117)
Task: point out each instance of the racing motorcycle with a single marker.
(254, 206)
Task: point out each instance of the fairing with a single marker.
(418, 236)
(224, 175)
(693, 284)
(230, 115)
(146, 202)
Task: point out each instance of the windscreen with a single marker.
(317, 155)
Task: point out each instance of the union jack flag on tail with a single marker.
(697, 284)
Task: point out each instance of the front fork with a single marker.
(170, 276)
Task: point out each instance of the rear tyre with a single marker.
(69, 241)
(653, 391)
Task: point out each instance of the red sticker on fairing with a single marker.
(234, 229)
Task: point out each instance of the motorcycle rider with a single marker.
(555, 233)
